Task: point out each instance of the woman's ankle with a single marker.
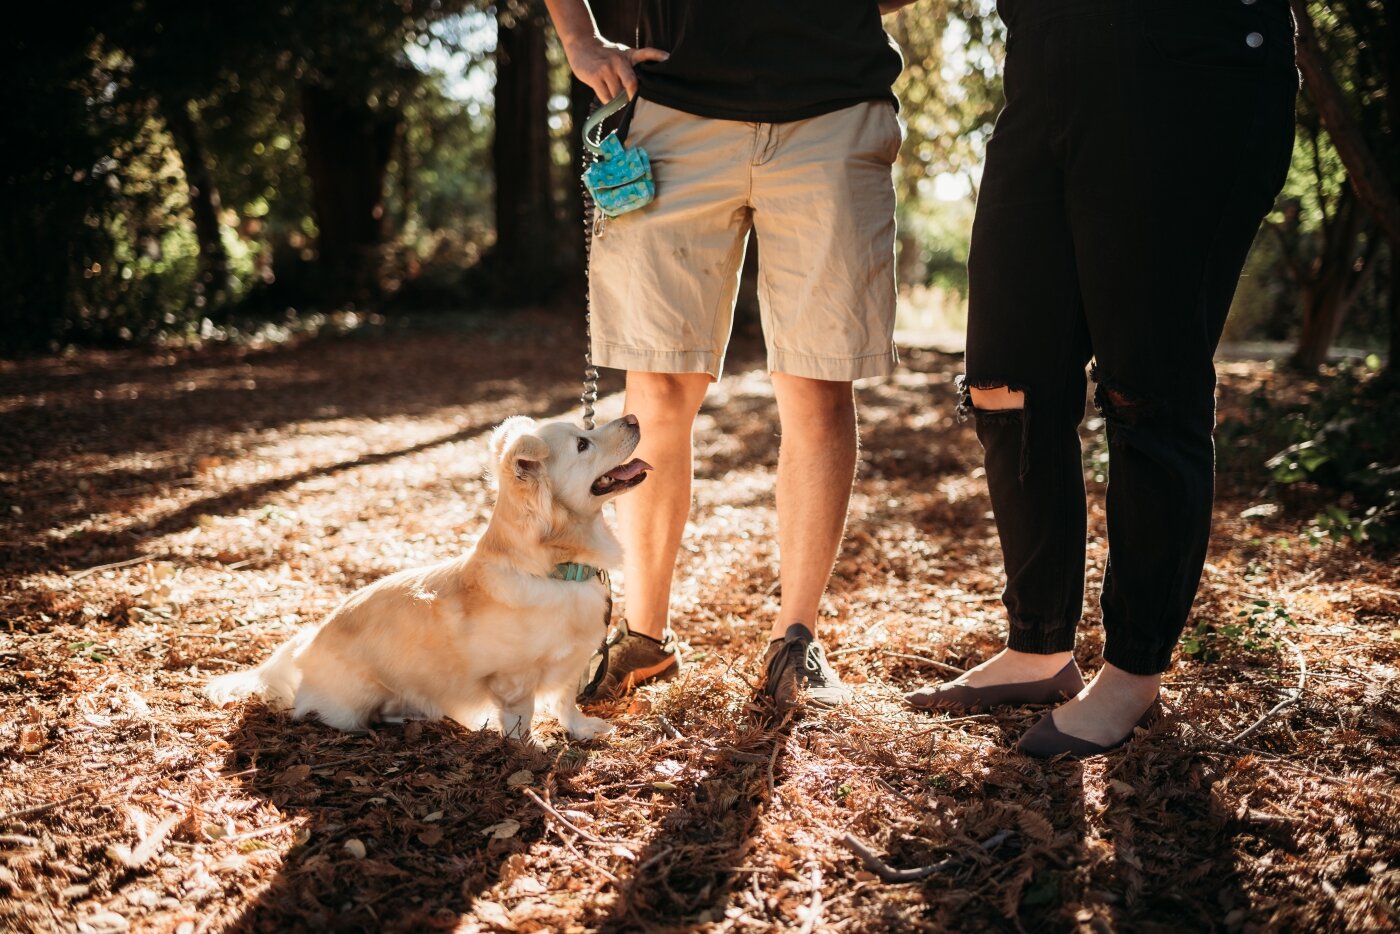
(1114, 686)
(1010, 666)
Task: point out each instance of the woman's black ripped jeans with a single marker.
(1141, 145)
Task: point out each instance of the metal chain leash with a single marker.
(589, 397)
(590, 372)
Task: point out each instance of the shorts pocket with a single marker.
(893, 134)
(1230, 35)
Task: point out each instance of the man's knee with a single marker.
(674, 392)
(818, 404)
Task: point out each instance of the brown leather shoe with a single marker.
(1064, 685)
(627, 659)
(1045, 741)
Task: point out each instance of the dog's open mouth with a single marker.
(623, 477)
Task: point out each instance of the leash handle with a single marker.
(599, 115)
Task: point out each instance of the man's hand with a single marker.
(606, 67)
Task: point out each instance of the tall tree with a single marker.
(1350, 81)
(347, 144)
(524, 257)
(1327, 259)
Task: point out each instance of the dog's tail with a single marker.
(275, 680)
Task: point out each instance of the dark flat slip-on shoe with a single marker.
(1045, 741)
(1064, 685)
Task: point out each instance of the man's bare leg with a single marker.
(816, 468)
(652, 517)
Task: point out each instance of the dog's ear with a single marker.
(508, 431)
(526, 455)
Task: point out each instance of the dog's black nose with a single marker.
(630, 419)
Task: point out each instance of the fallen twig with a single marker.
(943, 666)
(260, 832)
(1287, 701)
(669, 728)
(549, 809)
(814, 907)
(588, 862)
(41, 808)
(773, 761)
(79, 575)
(888, 873)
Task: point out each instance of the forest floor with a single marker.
(169, 515)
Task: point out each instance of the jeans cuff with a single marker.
(1040, 640)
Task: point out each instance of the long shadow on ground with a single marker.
(399, 835)
(695, 856)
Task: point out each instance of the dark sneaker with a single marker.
(627, 659)
(796, 666)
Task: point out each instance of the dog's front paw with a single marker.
(589, 728)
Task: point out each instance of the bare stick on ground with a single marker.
(1286, 702)
(888, 873)
(40, 808)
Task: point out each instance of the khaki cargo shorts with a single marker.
(663, 279)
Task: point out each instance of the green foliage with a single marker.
(949, 94)
(1257, 627)
(100, 239)
(1345, 442)
(1094, 450)
(950, 91)
(1317, 231)
(90, 651)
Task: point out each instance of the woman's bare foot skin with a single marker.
(1109, 706)
(1011, 667)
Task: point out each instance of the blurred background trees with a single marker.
(172, 168)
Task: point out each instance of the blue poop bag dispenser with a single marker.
(619, 180)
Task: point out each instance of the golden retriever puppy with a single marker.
(489, 635)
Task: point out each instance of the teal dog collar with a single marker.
(569, 571)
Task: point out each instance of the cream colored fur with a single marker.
(489, 635)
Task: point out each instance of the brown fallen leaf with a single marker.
(297, 773)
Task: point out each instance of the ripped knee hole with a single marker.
(997, 398)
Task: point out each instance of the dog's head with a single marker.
(558, 466)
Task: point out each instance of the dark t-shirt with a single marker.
(766, 61)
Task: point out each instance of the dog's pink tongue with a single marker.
(630, 469)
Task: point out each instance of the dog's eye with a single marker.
(582, 445)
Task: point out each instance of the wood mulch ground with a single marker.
(166, 516)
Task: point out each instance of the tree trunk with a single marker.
(347, 145)
(1392, 365)
(1325, 303)
(1366, 171)
(1328, 291)
(524, 259)
(213, 279)
(1364, 168)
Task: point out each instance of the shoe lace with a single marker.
(805, 657)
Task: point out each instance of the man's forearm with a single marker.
(573, 21)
